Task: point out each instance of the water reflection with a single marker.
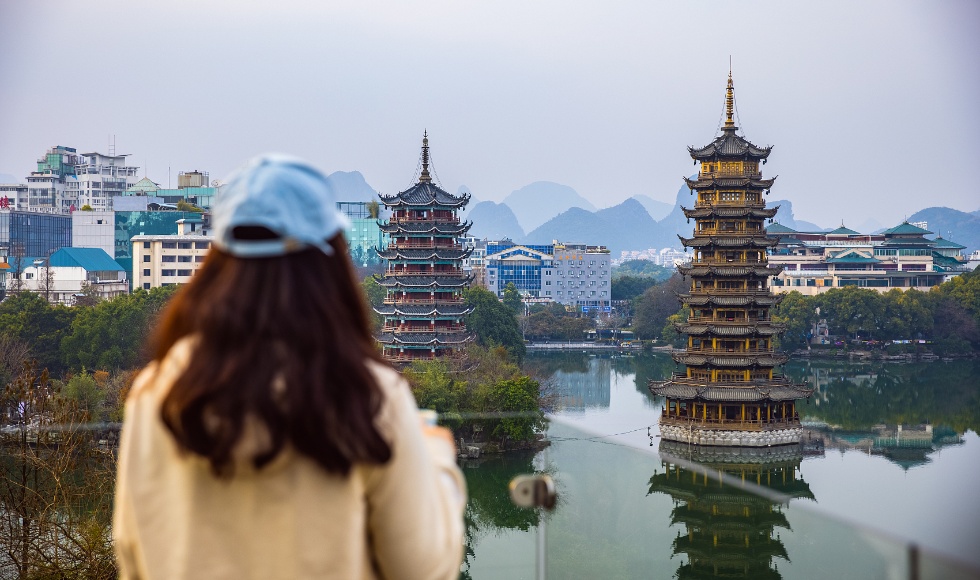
(727, 531)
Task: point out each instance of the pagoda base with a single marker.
(696, 434)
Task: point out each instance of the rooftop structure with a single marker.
(900, 257)
(424, 278)
(729, 394)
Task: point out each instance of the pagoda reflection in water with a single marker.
(729, 531)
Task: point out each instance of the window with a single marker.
(168, 259)
(146, 258)
(547, 283)
(183, 258)
(199, 259)
(146, 244)
(146, 285)
(168, 273)
(184, 245)
(169, 245)
(28, 275)
(183, 272)
(146, 271)
(592, 283)
(202, 245)
(592, 262)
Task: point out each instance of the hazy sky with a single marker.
(872, 106)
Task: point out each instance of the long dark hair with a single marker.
(285, 341)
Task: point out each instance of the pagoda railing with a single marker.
(427, 272)
(710, 350)
(729, 425)
(730, 173)
(423, 328)
(735, 319)
(726, 261)
(751, 203)
(425, 246)
(432, 301)
(736, 231)
(730, 291)
(432, 220)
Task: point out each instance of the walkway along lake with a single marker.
(890, 447)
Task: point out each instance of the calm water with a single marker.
(632, 507)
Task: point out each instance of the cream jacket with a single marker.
(292, 520)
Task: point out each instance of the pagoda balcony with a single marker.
(733, 351)
(727, 231)
(683, 420)
(423, 328)
(732, 319)
(757, 203)
(730, 173)
(728, 261)
(426, 272)
(428, 245)
(432, 301)
(730, 291)
(416, 220)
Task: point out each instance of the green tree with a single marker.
(670, 334)
(512, 299)
(654, 306)
(86, 395)
(375, 295)
(643, 268)
(518, 400)
(28, 318)
(493, 323)
(798, 313)
(184, 205)
(629, 287)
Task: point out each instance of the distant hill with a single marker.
(540, 201)
(626, 226)
(675, 222)
(351, 186)
(958, 226)
(657, 209)
(494, 221)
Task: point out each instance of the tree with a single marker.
(86, 207)
(373, 209)
(670, 333)
(45, 279)
(512, 299)
(493, 323)
(629, 287)
(184, 205)
(643, 268)
(374, 294)
(798, 313)
(655, 305)
(28, 318)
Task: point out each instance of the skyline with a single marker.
(602, 99)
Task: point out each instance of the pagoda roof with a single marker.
(729, 145)
(914, 241)
(729, 242)
(425, 194)
(944, 244)
(730, 212)
(426, 228)
(436, 309)
(705, 299)
(711, 182)
(424, 254)
(778, 228)
(420, 338)
(425, 281)
(678, 388)
(729, 270)
(759, 328)
(735, 360)
(842, 231)
(905, 228)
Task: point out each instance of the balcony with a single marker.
(732, 351)
(727, 319)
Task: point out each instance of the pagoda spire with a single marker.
(425, 177)
(729, 105)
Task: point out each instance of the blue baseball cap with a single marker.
(284, 194)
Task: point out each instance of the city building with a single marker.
(364, 236)
(93, 229)
(424, 308)
(901, 257)
(192, 188)
(101, 177)
(153, 222)
(576, 275)
(54, 187)
(729, 393)
(28, 233)
(164, 260)
(14, 196)
(69, 271)
(475, 264)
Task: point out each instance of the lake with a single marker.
(891, 457)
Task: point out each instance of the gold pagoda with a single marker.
(729, 394)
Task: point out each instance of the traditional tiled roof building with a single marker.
(424, 278)
(729, 394)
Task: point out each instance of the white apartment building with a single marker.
(13, 196)
(54, 186)
(100, 177)
(170, 259)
